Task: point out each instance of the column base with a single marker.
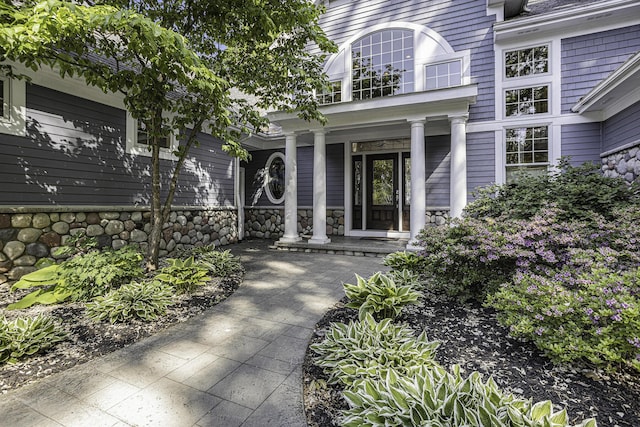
(413, 246)
(320, 240)
(285, 239)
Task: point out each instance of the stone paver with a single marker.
(238, 364)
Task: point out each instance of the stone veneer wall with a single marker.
(27, 237)
(268, 223)
(624, 164)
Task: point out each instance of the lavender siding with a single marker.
(464, 24)
(588, 59)
(622, 129)
(255, 192)
(481, 161)
(582, 142)
(75, 154)
(438, 151)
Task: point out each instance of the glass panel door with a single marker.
(382, 192)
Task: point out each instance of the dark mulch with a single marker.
(88, 339)
(471, 337)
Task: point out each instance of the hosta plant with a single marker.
(144, 300)
(220, 263)
(367, 348)
(379, 295)
(431, 396)
(25, 336)
(184, 275)
(405, 260)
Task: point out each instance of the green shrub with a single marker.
(431, 396)
(576, 191)
(369, 349)
(184, 275)
(220, 263)
(26, 336)
(80, 278)
(592, 315)
(379, 295)
(144, 301)
(404, 260)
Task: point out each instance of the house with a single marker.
(428, 100)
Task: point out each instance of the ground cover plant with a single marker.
(110, 307)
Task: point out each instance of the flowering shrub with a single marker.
(573, 314)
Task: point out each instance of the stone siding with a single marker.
(624, 164)
(268, 223)
(27, 237)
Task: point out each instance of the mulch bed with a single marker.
(88, 339)
(471, 337)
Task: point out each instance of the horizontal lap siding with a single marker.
(464, 24)
(581, 142)
(438, 166)
(587, 60)
(481, 164)
(75, 154)
(254, 187)
(622, 129)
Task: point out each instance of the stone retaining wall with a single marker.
(27, 237)
(268, 223)
(624, 164)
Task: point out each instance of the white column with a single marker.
(458, 188)
(418, 181)
(291, 191)
(319, 189)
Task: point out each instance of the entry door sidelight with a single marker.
(383, 196)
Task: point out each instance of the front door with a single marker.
(382, 192)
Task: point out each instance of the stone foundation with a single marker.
(437, 217)
(623, 164)
(27, 237)
(268, 223)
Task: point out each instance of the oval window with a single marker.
(275, 178)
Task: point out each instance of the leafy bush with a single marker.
(431, 396)
(184, 275)
(574, 316)
(369, 349)
(577, 192)
(80, 278)
(404, 260)
(27, 336)
(220, 263)
(379, 295)
(144, 300)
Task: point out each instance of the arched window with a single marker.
(275, 178)
(383, 64)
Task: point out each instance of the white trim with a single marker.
(533, 77)
(13, 122)
(626, 146)
(267, 178)
(549, 103)
(136, 149)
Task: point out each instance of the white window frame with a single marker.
(551, 148)
(13, 120)
(136, 149)
(267, 178)
(447, 61)
(528, 76)
(527, 86)
(321, 94)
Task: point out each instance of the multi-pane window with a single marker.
(526, 62)
(527, 150)
(383, 64)
(3, 101)
(331, 94)
(145, 139)
(530, 100)
(444, 75)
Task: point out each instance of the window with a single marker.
(275, 178)
(382, 64)
(331, 94)
(527, 151)
(526, 62)
(138, 141)
(530, 100)
(444, 75)
(13, 115)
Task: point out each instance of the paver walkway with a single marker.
(238, 364)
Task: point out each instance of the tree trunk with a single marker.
(153, 251)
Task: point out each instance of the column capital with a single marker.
(319, 131)
(458, 118)
(417, 121)
(290, 134)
